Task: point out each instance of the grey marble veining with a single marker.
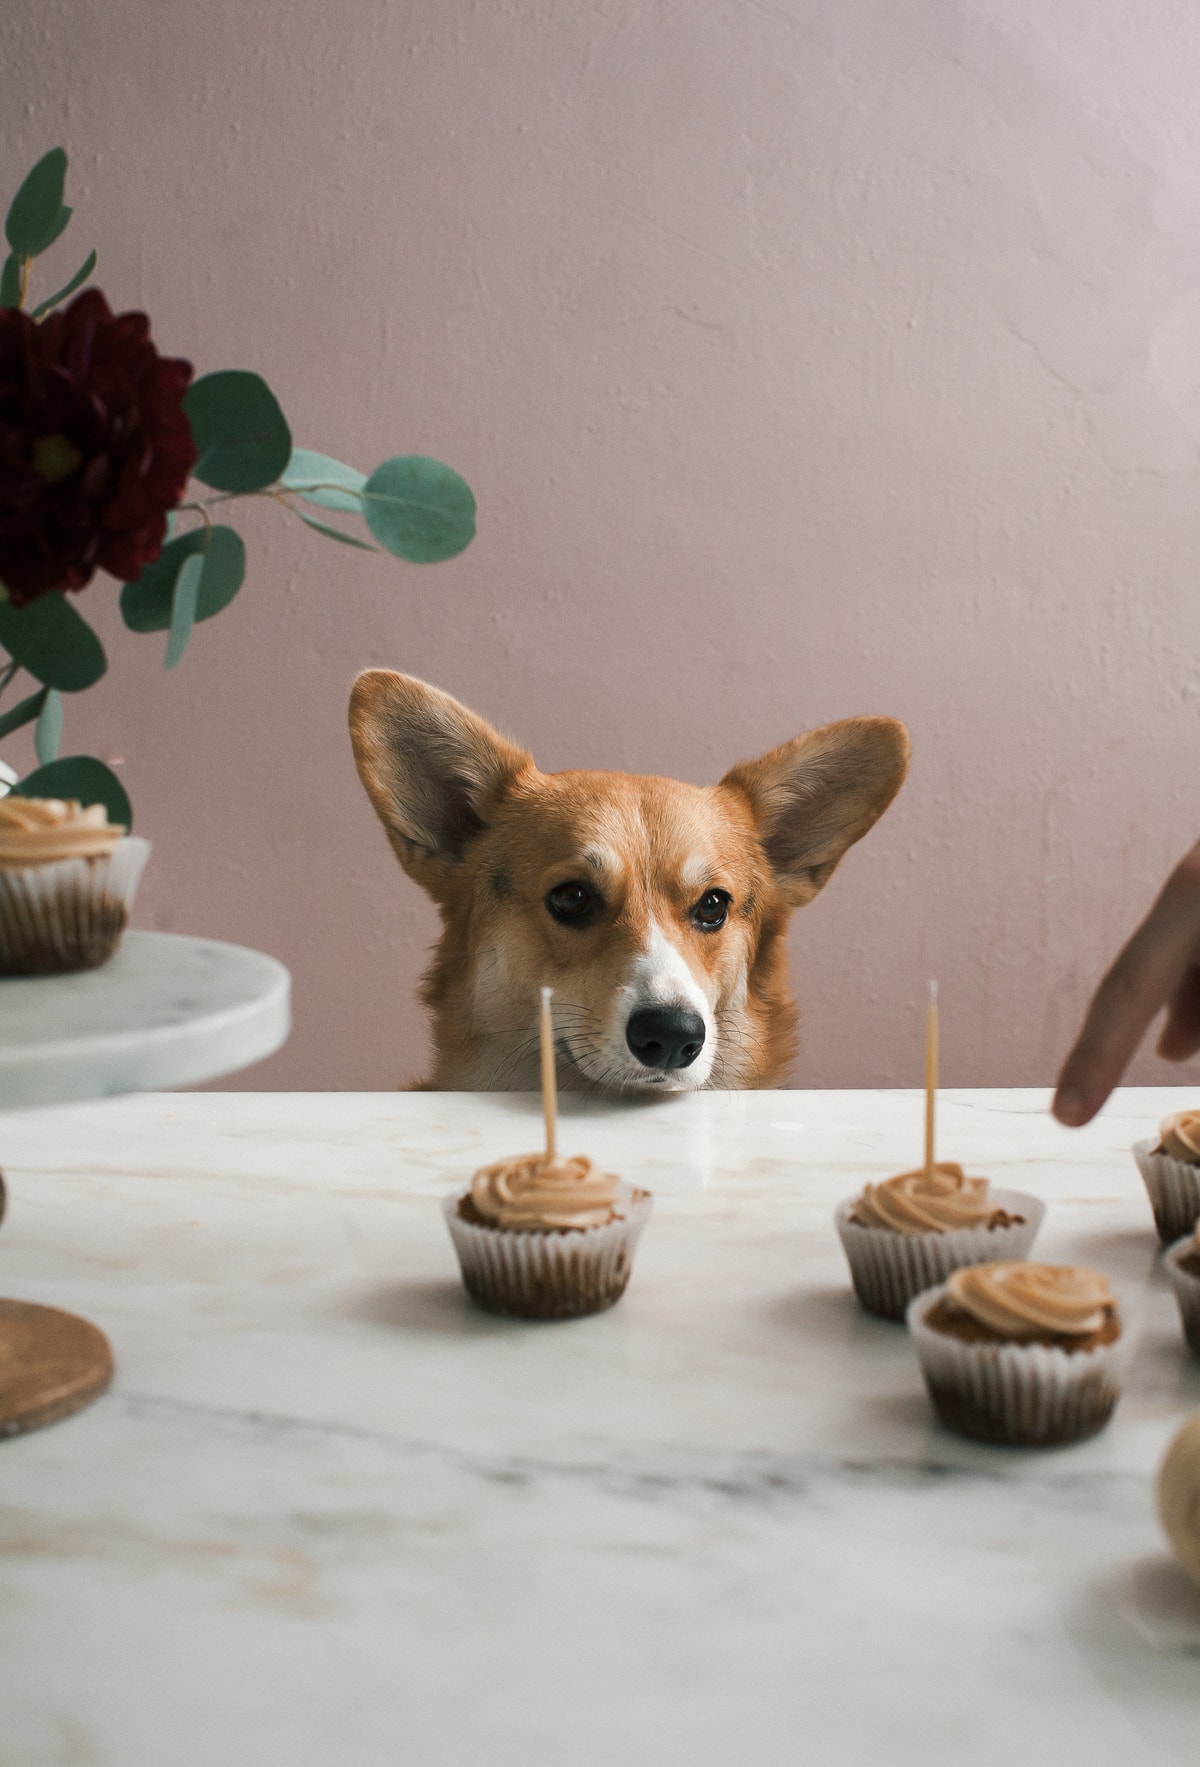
(331, 1513)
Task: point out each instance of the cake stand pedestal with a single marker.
(165, 1011)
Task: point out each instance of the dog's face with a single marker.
(654, 909)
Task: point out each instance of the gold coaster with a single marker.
(51, 1364)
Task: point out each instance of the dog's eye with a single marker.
(572, 903)
(712, 910)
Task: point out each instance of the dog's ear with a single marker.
(812, 798)
(432, 769)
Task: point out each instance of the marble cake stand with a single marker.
(165, 1011)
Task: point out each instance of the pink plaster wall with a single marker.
(806, 359)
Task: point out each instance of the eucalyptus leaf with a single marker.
(60, 226)
(241, 435)
(24, 712)
(315, 478)
(81, 275)
(183, 607)
(47, 735)
(335, 533)
(10, 281)
(35, 218)
(146, 603)
(419, 509)
(81, 777)
(49, 639)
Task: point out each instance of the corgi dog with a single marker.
(657, 911)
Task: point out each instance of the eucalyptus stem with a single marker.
(7, 673)
(280, 494)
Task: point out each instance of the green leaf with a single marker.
(10, 281)
(81, 275)
(47, 737)
(81, 777)
(315, 478)
(335, 533)
(49, 639)
(242, 436)
(146, 603)
(35, 218)
(183, 607)
(60, 226)
(419, 509)
(24, 712)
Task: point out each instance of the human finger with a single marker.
(1180, 1035)
(1143, 978)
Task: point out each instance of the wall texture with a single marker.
(806, 359)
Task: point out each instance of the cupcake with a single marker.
(67, 879)
(546, 1238)
(1029, 1354)
(1179, 1495)
(1170, 1169)
(911, 1231)
(1182, 1264)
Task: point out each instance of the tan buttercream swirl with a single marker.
(531, 1191)
(1180, 1135)
(1020, 1300)
(912, 1202)
(37, 831)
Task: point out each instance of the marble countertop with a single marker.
(330, 1513)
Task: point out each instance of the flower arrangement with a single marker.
(100, 437)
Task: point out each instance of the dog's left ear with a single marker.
(812, 798)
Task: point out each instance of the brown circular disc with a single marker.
(51, 1364)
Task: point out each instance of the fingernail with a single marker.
(1069, 1108)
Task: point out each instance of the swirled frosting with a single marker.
(914, 1202)
(531, 1191)
(1180, 1136)
(36, 831)
(1026, 1300)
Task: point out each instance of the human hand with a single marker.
(1160, 966)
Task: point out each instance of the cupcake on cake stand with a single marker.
(165, 1011)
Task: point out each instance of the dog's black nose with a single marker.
(665, 1036)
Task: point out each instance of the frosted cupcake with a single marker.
(911, 1231)
(1179, 1495)
(67, 880)
(1170, 1169)
(543, 1238)
(1182, 1265)
(1029, 1354)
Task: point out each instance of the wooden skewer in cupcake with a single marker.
(931, 1067)
(543, 1236)
(549, 1076)
(908, 1232)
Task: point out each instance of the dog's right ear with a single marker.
(432, 769)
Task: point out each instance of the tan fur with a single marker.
(475, 823)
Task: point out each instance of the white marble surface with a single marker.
(165, 1010)
(331, 1514)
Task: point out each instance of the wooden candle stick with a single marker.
(931, 1072)
(549, 1080)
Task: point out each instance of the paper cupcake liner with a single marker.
(888, 1269)
(1187, 1289)
(548, 1275)
(1173, 1188)
(1028, 1395)
(70, 914)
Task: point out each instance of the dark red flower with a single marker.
(95, 447)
